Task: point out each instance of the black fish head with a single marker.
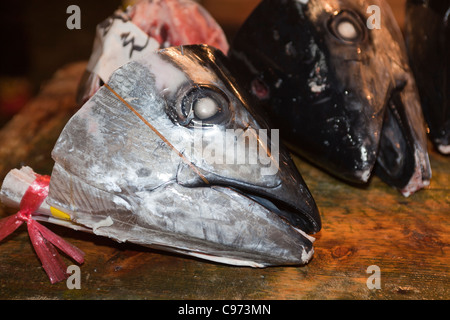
(178, 157)
(328, 80)
(427, 31)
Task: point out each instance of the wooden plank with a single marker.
(407, 238)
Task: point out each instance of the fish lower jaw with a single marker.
(418, 179)
(444, 149)
(363, 175)
(416, 183)
(305, 257)
(227, 261)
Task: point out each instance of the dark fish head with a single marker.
(339, 88)
(146, 26)
(427, 30)
(170, 154)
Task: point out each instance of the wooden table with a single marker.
(407, 238)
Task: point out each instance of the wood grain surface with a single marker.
(407, 238)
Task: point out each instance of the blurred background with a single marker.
(36, 42)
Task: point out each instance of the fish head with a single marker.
(427, 32)
(146, 26)
(171, 155)
(329, 74)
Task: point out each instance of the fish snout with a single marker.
(281, 190)
(403, 160)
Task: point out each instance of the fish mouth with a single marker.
(289, 214)
(294, 244)
(281, 215)
(290, 199)
(402, 159)
(266, 224)
(287, 205)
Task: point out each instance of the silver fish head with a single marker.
(336, 81)
(171, 154)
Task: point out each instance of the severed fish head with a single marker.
(146, 26)
(427, 29)
(334, 77)
(170, 154)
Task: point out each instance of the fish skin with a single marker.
(427, 33)
(330, 96)
(145, 26)
(116, 176)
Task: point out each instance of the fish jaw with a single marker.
(216, 223)
(403, 160)
(254, 233)
(213, 223)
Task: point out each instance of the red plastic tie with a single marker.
(44, 241)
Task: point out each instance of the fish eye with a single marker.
(205, 108)
(204, 104)
(347, 30)
(347, 27)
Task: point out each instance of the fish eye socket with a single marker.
(204, 104)
(347, 27)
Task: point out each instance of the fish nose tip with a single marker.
(295, 193)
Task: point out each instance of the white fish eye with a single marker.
(347, 26)
(203, 104)
(347, 30)
(205, 108)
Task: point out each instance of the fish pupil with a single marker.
(347, 30)
(205, 108)
(347, 26)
